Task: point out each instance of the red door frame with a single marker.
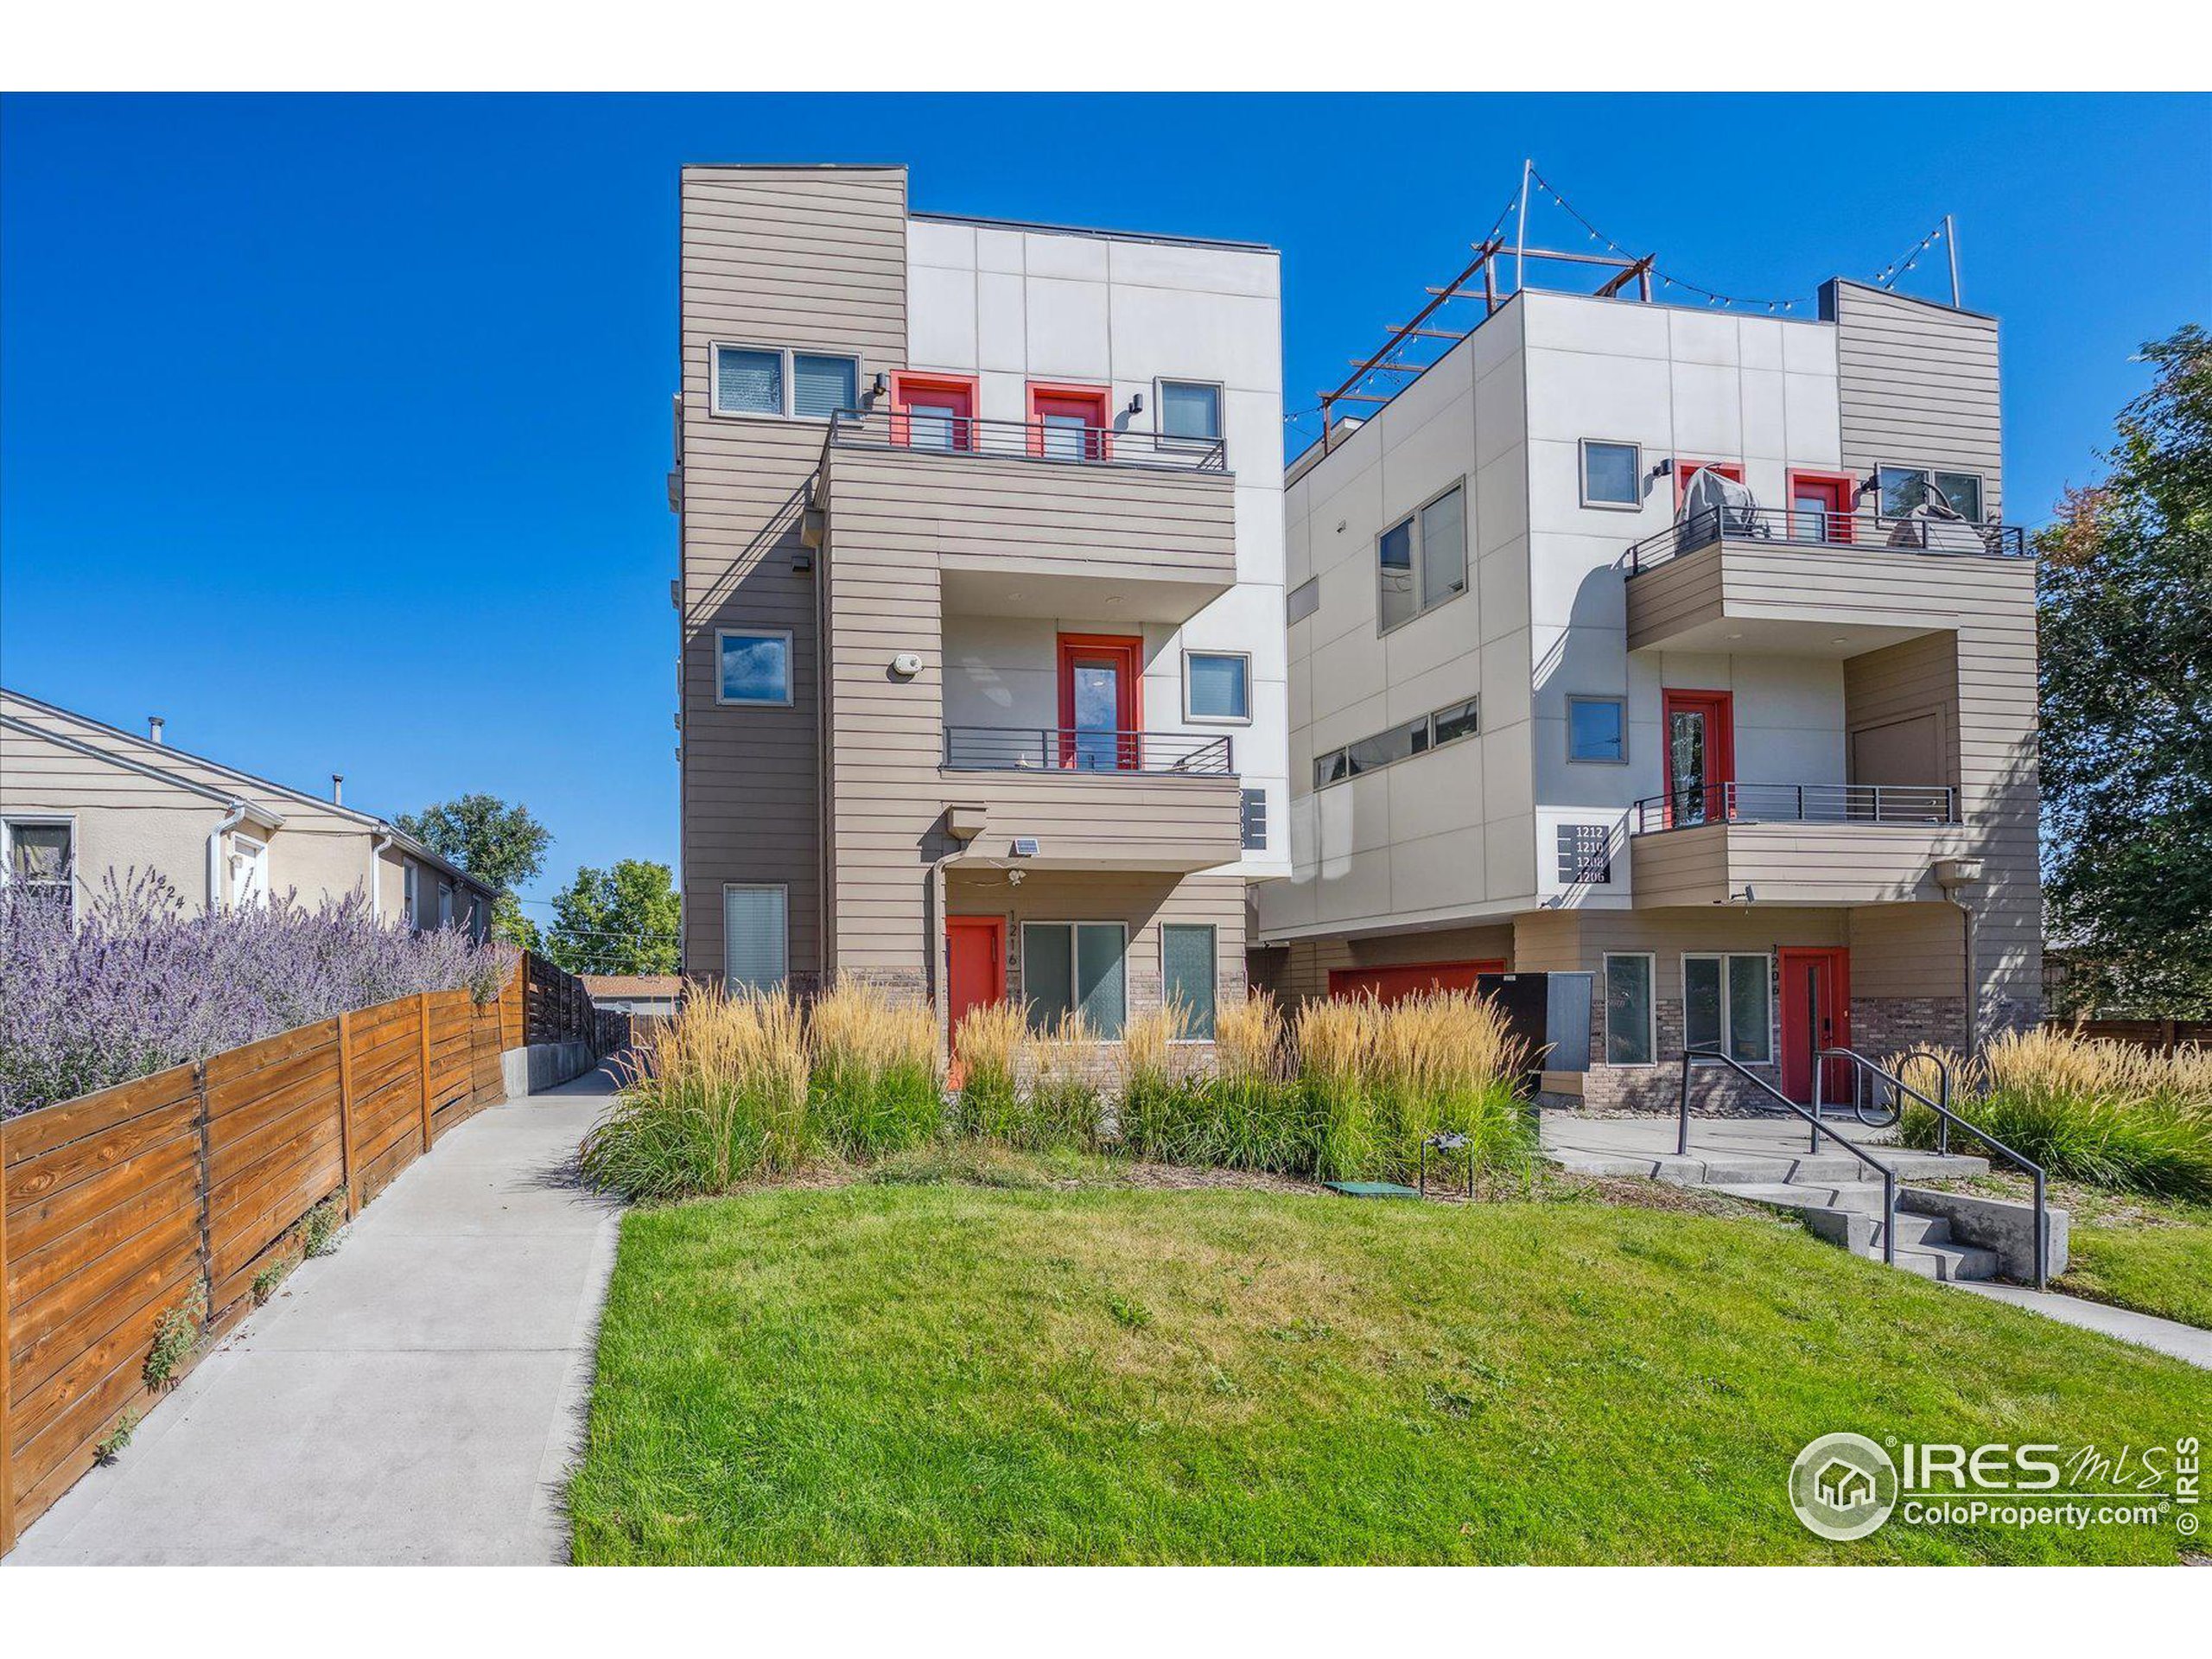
(1796, 1067)
(993, 928)
(1720, 710)
(1093, 403)
(1686, 470)
(958, 388)
(1128, 651)
(1401, 980)
(1838, 488)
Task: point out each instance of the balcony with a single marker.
(1792, 844)
(1027, 519)
(1051, 799)
(1815, 583)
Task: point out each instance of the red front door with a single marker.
(1820, 507)
(1815, 1014)
(1099, 676)
(933, 411)
(1700, 729)
(975, 951)
(1387, 985)
(1068, 423)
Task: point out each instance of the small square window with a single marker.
(823, 385)
(1612, 474)
(753, 667)
(1963, 492)
(1217, 685)
(748, 381)
(1597, 730)
(1190, 409)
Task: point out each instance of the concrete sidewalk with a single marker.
(417, 1397)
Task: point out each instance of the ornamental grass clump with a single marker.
(2108, 1114)
(875, 1087)
(714, 1096)
(1444, 1063)
(1164, 1114)
(1065, 1100)
(134, 983)
(1336, 1043)
(989, 1044)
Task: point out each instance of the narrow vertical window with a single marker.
(1186, 963)
(1630, 1038)
(756, 943)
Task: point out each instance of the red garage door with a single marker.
(1389, 984)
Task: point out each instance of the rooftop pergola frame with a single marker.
(1479, 281)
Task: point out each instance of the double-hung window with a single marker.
(1421, 560)
(39, 857)
(753, 666)
(779, 381)
(1903, 490)
(1077, 968)
(1186, 977)
(756, 940)
(1728, 1004)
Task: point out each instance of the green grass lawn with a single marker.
(2153, 1255)
(902, 1373)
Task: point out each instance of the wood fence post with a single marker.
(345, 1115)
(422, 1014)
(2166, 1038)
(207, 1184)
(7, 1439)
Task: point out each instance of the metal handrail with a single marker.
(1888, 1176)
(1061, 749)
(1862, 532)
(886, 428)
(1735, 803)
(1945, 1117)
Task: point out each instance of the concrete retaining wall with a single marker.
(1996, 1224)
(539, 1066)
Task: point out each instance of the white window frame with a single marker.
(16, 821)
(784, 888)
(1928, 475)
(1419, 568)
(790, 669)
(787, 382)
(1213, 933)
(1075, 963)
(1766, 959)
(1183, 440)
(1582, 474)
(260, 851)
(1191, 719)
(1618, 701)
(445, 902)
(1605, 1004)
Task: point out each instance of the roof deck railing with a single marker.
(1843, 532)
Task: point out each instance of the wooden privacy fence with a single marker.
(179, 1188)
(2159, 1036)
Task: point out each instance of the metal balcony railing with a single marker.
(1015, 748)
(1843, 531)
(1052, 441)
(1685, 808)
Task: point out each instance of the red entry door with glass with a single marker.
(1068, 422)
(1099, 675)
(1701, 738)
(932, 412)
(1816, 1014)
(1820, 508)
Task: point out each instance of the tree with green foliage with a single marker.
(500, 845)
(2126, 616)
(621, 920)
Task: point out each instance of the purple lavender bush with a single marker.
(136, 984)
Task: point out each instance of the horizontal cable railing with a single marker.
(949, 434)
(1685, 809)
(1014, 748)
(1818, 527)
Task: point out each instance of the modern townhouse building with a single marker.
(983, 682)
(1758, 755)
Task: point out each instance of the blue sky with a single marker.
(333, 429)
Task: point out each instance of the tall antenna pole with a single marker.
(1520, 236)
(1951, 242)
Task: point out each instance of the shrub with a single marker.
(715, 1095)
(1444, 1063)
(2104, 1113)
(874, 1086)
(136, 984)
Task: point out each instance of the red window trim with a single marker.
(1845, 487)
(1129, 715)
(968, 385)
(1101, 398)
(1686, 469)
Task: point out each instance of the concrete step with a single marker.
(1952, 1263)
(1720, 1168)
(1849, 1216)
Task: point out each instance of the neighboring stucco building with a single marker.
(80, 796)
(1767, 772)
(983, 684)
(651, 996)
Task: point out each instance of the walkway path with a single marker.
(415, 1397)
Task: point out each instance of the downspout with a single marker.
(232, 819)
(378, 849)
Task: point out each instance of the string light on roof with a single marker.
(1712, 298)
